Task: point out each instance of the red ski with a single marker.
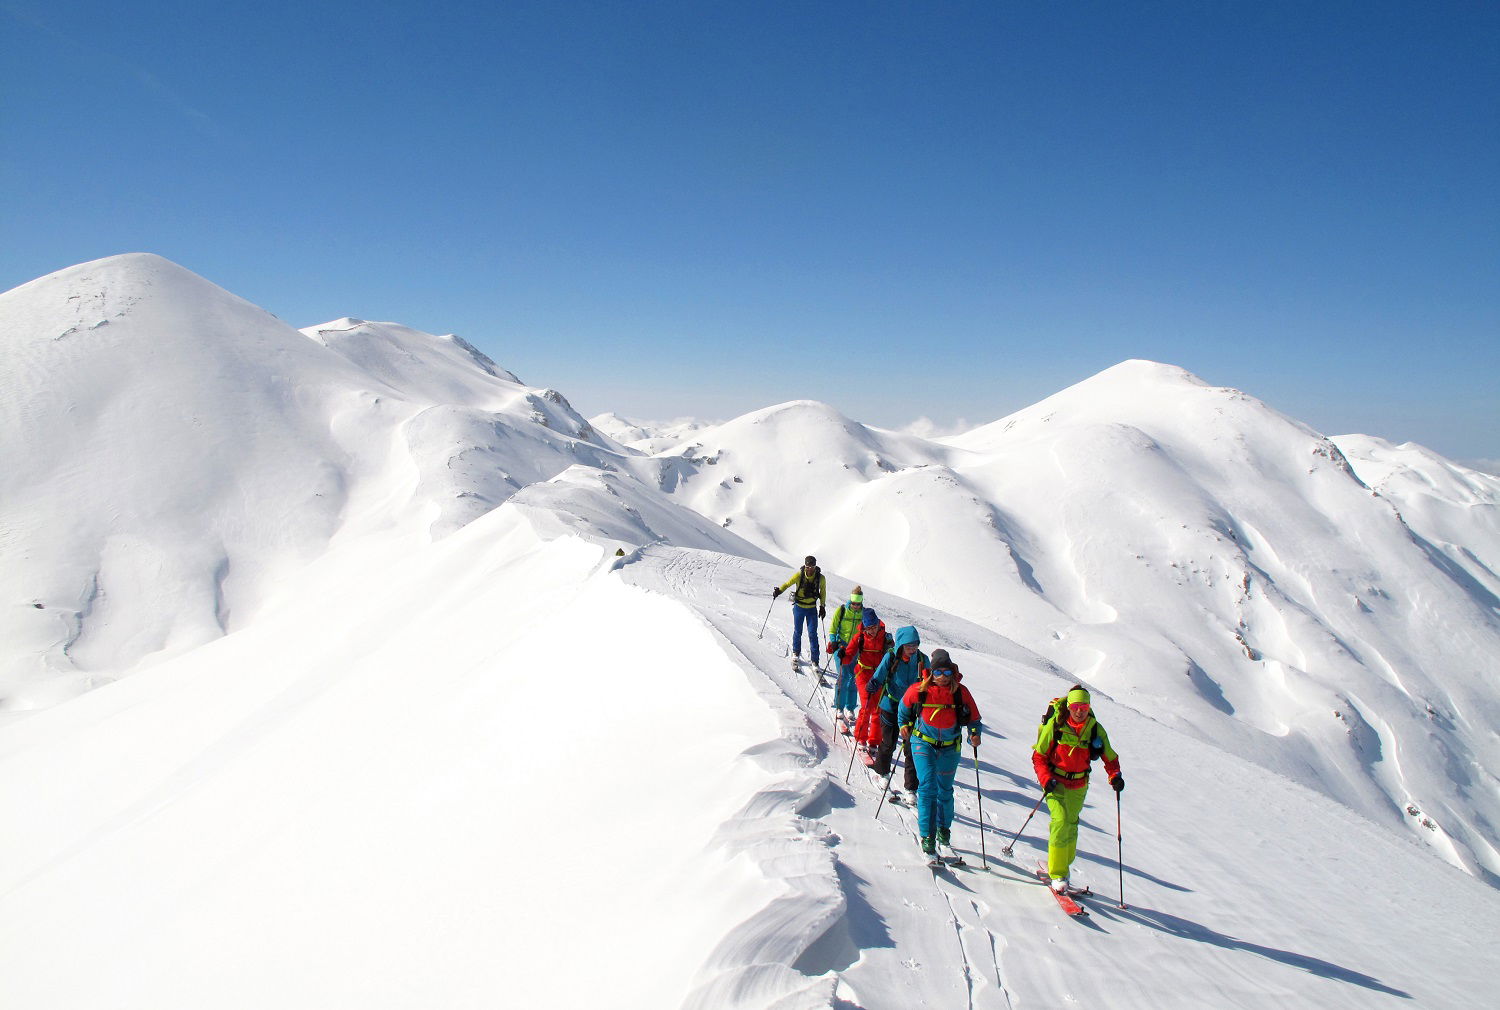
(1064, 898)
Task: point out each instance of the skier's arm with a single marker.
(833, 629)
(1039, 753)
(974, 727)
(906, 714)
(1111, 759)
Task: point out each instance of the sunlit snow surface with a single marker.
(379, 718)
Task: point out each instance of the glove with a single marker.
(775, 592)
(1119, 783)
(1051, 786)
(822, 612)
(906, 732)
(973, 739)
(833, 645)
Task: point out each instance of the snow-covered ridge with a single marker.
(174, 453)
(381, 652)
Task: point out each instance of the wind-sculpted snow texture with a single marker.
(414, 687)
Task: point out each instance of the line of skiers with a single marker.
(889, 691)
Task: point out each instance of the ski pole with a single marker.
(814, 693)
(853, 750)
(895, 760)
(817, 683)
(821, 700)
(768, 617)
(983, 856)
(1010, 845)
(1119, 852)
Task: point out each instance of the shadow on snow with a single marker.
(1189, 930)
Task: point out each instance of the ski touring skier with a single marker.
(934, 714)
(1067, 743)
(809, 605)
(897, 672)
(865, 651)
(841, 628)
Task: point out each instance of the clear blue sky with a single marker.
(946, 210)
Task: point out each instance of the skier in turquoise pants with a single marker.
(933, 715)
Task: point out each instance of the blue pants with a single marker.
(846, 695)
(808, 616)
(936, 767)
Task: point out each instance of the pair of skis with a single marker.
(945, 856)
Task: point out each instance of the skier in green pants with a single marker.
(1067, 742)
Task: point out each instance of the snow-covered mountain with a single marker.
(382, 718)
(646, 437)
(174, 454)
(1191, 551)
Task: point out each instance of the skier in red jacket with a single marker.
(865, 650)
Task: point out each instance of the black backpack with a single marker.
(802, 580)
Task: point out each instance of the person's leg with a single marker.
(1059, 845)
(947, 769)
(1065, 805)
(866, 706)
(923, 758)
(887, 743)
(846, 698)
(1073, 805)
(799, 617)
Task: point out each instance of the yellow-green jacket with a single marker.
(810, 592)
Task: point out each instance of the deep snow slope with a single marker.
(400, 726)
(168, 459)
(1242, 889)
(419, 779)
(414, 781)
(1188, 548)
(174, 455)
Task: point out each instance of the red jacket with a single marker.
(1063, 751)
(871, 647)
(932, 711)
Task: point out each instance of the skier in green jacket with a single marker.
(841, 629)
